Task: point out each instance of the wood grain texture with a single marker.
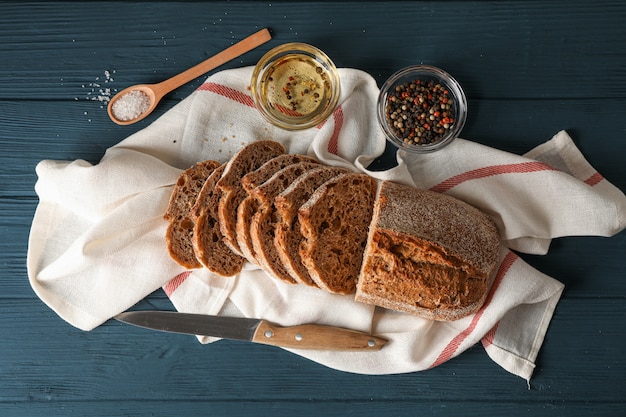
(530, 69)
(326, 408)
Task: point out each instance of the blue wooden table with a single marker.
(530, 69)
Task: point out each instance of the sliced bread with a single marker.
(248, 159)
(428, 254)
(287, 236)
(208, 242)
(263, 222)
(179, 233)
(255, 178)
(248, 206)
(334, 223)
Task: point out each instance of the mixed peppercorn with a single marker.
(420, 112)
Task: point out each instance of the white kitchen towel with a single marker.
(97, 242)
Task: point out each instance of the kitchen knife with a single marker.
(305, 336)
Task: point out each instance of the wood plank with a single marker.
(117, 361)
(347, 408)
(15, 220)
(497, 50)
(28, 136)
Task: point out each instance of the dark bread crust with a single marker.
(179, 234)
(334, 223)
(255, 178)
(428, 254)
(245, 211)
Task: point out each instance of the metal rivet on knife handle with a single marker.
(314, 336)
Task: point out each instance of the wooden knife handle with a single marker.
(316, 337)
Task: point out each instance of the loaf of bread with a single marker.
(248, 207)
(391, 245)
(179, 234)
(427, 254)
(334, 224)
(263, 222)
(208, 242)
(248, 159)
(287, 236)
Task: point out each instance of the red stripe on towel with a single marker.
(247, 100)
(171, 286)
(449, 351)
(491, 334)
(333, 143)
(228, 92)
(594, 179)
(521, 168)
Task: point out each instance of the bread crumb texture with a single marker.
(334, 223)
(208, 241)
(288, 237)
(179, 234)
(248, 159)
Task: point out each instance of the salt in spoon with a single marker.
(155, 92)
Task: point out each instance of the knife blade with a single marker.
(305, 336)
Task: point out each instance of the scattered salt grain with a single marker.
(99, 92)
(131, 105)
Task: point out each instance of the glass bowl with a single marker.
(295, 86)
(421, 108)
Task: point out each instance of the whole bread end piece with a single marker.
(427, 254)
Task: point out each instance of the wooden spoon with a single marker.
(155, 92)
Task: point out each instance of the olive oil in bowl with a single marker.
(295, 86)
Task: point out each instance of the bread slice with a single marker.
(334, 223)
(287, 236)
(179, 233)
(248, 159)
(248, 206)
(255, 178)
(208, 243)
(428, 254)
(263, 222)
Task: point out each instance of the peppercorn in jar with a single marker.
(420, 112)
(421, 108)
